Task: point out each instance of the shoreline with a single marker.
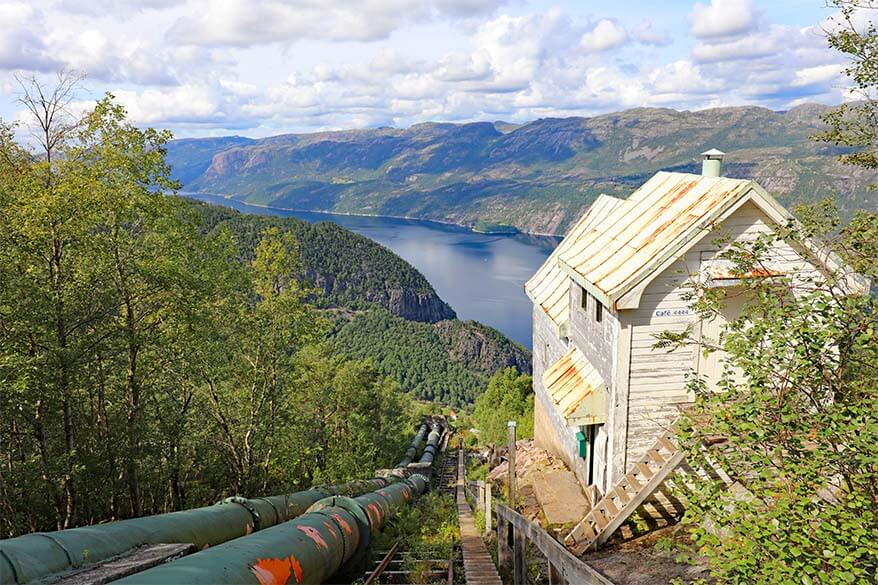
(352, 214)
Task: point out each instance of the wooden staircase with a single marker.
(626, 496)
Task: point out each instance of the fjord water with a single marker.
(481, 276)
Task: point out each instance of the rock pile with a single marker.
(527, 457)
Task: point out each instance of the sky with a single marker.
(263, 67)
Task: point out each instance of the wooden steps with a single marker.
(478, 567)
(626, 496)
(446, 481)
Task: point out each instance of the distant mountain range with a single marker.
(539, 176)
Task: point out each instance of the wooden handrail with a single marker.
(561, 561)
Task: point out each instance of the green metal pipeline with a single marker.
(432, 447)
(412, 451)
(332, 538)
(32, 557)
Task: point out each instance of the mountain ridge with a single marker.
(537, 176)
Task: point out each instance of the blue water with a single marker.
(481, 276)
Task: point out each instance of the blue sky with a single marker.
(262, 67)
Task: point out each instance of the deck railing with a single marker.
(514, 531)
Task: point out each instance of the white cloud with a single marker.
(646, 34)
(465, 66)
(722, 18)
(680, 79)
(21, 45)
(114, 7)
(817, 75)
(749, 47)
(255, 22)
(606, 34)
(184, 104)
(214, 67)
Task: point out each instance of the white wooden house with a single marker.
(603, 394)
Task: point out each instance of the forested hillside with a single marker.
(449, 361)
(383, 308)
(349, 270)
(158, 354)
(538, 177)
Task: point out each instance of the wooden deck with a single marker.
(478, 567)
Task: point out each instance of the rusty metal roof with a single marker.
(618, 247)
(549, 287)
(576, 388)
(656, 222)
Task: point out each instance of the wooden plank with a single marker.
(668, 444)
(599, 519)
(632, 481)
(130, 563)
(478, 567)
(644, 470)
(641, 496)
(655, 456)
(519, 559)
(570, 568)
(621, 494)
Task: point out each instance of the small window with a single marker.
(598, 311)
(583, 299)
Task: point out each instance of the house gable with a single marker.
(663, 219)
(549, 287)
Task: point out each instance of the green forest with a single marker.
(431, 361)
(348, 269)
(148, 361)
(353, 281)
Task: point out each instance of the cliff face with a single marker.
(425, 306)
(482, 348)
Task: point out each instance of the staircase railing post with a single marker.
(487, 507)
(511, 459)
(504, 550)
(519, 560)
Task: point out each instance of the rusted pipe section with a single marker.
(331, 540)
(32, 557)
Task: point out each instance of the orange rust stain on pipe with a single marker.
(312, 533)
(341, 522)
(277, 571)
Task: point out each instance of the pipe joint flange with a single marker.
(247, 505)
(355, 566)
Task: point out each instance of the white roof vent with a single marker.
(712, 162)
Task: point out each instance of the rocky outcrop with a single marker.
(426, 307)
(416, 307)
(482, 348)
